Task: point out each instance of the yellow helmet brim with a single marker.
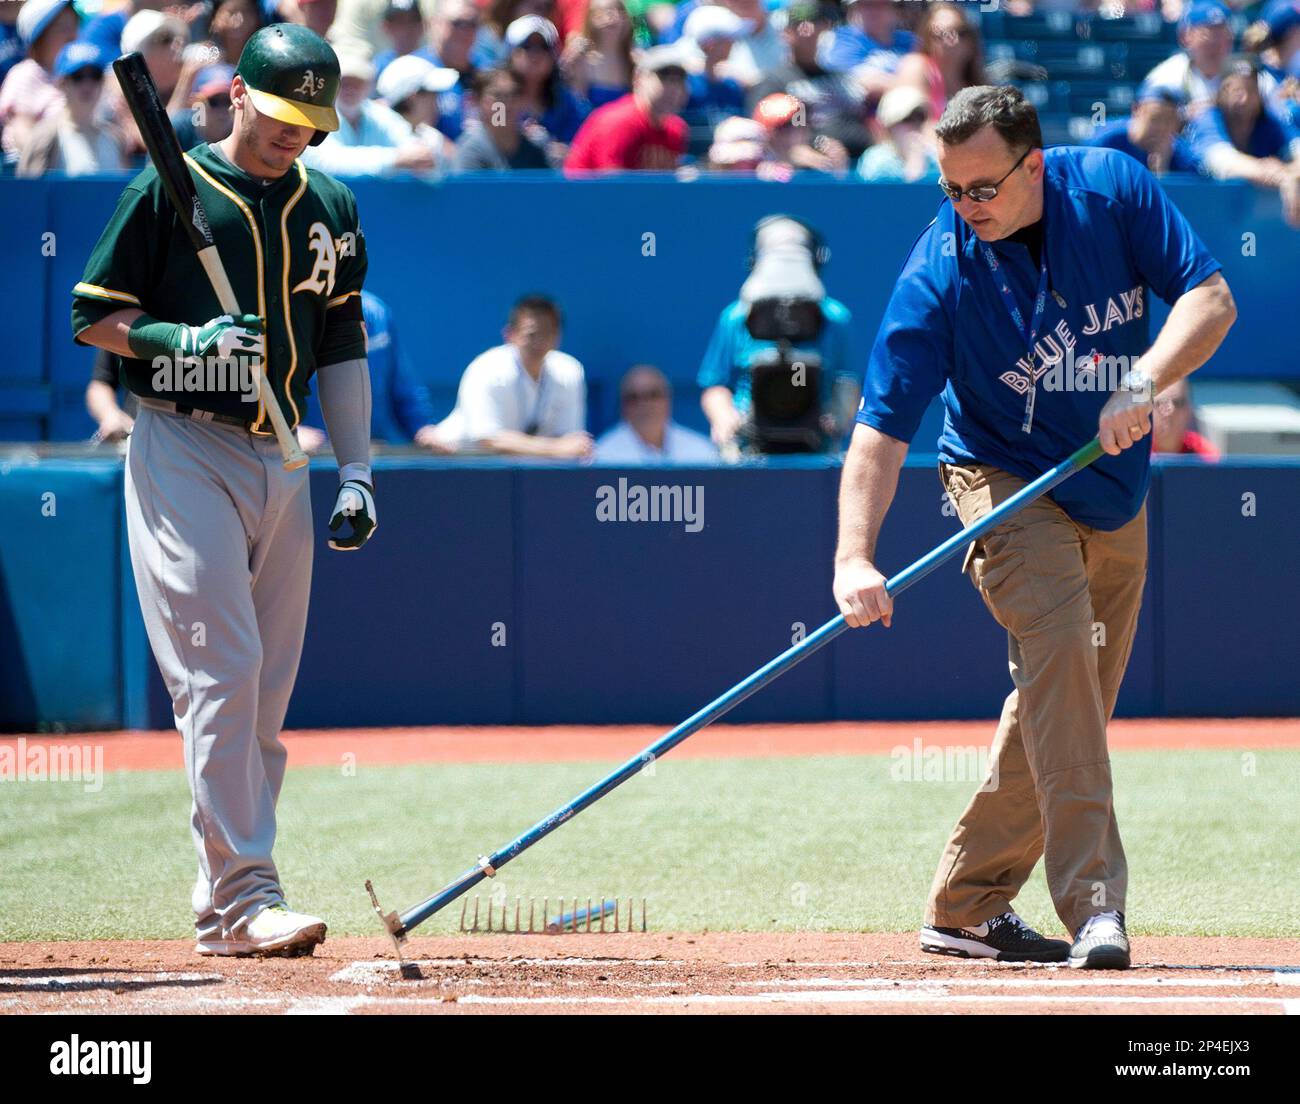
(293, 111)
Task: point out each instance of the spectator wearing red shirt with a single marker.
(641, 130)
(1171, 428)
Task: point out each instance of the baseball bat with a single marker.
(398, 925)
(165, 152)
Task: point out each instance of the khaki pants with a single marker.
(1056, 586)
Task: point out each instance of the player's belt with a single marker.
(166, 406)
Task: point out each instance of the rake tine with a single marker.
(602, 914)
(589, 914)
(475, 928)
(516, 916)
(464, 904)
(616, 914)
(531, 905)
(546, 913)
(643, 914)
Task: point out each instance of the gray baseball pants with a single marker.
(221, 548)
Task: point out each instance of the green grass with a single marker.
(760, 844)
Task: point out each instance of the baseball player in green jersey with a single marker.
(220, 533)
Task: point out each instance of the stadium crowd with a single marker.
(769, 88)
(764, 87)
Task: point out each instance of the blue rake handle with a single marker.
(399, 925)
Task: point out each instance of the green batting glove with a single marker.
(225, 337)
(356, 503)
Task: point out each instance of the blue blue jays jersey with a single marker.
(1112, 237)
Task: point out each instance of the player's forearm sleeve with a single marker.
(344, 390)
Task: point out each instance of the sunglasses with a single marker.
(981, 193)
(645, 396)
(464, 24)
(93, 76)
(534, 46)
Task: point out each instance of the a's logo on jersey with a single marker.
(312, 85)
(321, 280)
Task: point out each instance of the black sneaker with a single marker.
(1005, 938)
(1101, 944)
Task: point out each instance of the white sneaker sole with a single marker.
(940, 943)
(290, 945)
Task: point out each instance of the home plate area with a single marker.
(646, 973)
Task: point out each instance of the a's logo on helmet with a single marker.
(311, 86)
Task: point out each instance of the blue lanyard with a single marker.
(1030, 332)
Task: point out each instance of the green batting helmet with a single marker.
(292, 74)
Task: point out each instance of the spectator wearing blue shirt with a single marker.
(870, 42)
(726, 372)
(551, 112)
(1019, 304)
(1240, 139)
(400, 410)
(402, 24)
(1282, 29)
(1150, 134)
(714, 96)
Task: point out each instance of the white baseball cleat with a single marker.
(275, 931)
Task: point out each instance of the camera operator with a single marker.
(777, 376)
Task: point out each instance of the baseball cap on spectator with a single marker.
(356, 62)
(213, 81)
(404, 76)
(523, 28)
(682, 54)
(147, 24)
(402, 7)
(1282, 17)
(1204, 13)
(1240, 65)
(776, 110)
(35, 16)
(712, 21)
(76, 56)
(737, 139)
(900, 104)
(1148, 92)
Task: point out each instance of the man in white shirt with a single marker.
(647, 434)
(523, 398)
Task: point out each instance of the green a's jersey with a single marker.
(295, 255)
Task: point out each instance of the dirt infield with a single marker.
(567, 743)
(655, 973)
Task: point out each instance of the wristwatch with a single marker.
(1140, 384)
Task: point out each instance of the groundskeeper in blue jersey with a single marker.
(1111, 238)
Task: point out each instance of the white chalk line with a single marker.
(374, 971)
(1071, 981)
(101, 981)
(347, 1005)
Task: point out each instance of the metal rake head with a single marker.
(599, 915)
